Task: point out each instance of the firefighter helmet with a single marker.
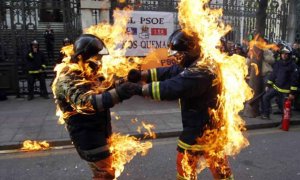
(286, 50)
(180, 41)
(88, 45)
(34, 42)
(66, 41)
(184, 46)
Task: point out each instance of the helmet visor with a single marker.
(285, 51)
(172, 52)
(104, 51)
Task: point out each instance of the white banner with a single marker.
(150, 30)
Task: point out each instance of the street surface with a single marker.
(272, 155)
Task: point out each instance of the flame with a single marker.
(29, 145)
(260, 43)
(225, 138)
(255, 68)
(113, 66)
(149, 127)
(123, 148)
(134, 120)
(115, 115)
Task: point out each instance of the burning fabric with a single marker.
(223, 137)
(85, 89)
(211, 87)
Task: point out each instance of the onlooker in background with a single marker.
(61, 56)
(238, 49)
(36, 63)
(283, 82)
(296, 53)
(280, 44)
(49, 41)
(223, 46)
(296, 58)
(267, 63)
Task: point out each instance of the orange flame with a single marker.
(260, 43)
(255, 68)
(150, 133)
(124, 148)
(29, 145)
(225, 138)
(116, 64)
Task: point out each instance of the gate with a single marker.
(240, 14)
(297, 38)
(21, 21)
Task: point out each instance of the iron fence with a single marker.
(20, 22)
(297, 38)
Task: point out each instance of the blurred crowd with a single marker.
(279, 71)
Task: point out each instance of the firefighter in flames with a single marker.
(197, 88)
(85, 106)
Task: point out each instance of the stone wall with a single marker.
(87, 8)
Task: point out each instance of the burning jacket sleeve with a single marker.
(105, 100)
(182, 85)
(163, 73)
(79, 97)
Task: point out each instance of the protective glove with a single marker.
(134, 76)
(128, 89)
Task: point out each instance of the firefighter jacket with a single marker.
(197, 91)
(284, 77)
(35, 62)
(86, 112)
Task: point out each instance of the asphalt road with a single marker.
(273, 154)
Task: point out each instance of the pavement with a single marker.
(36, 120)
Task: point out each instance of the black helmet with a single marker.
(66, 41)
(184, 46)
(88, 45)
(182, 42)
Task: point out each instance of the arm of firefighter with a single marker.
(163, 73)
(105, 100)
(294, 80)
(109, 99)
(177, 87)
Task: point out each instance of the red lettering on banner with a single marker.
(158, 31)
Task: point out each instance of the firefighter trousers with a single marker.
(219, 167)
(102, 170)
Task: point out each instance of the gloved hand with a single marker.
(134, 76)
(128, 89)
